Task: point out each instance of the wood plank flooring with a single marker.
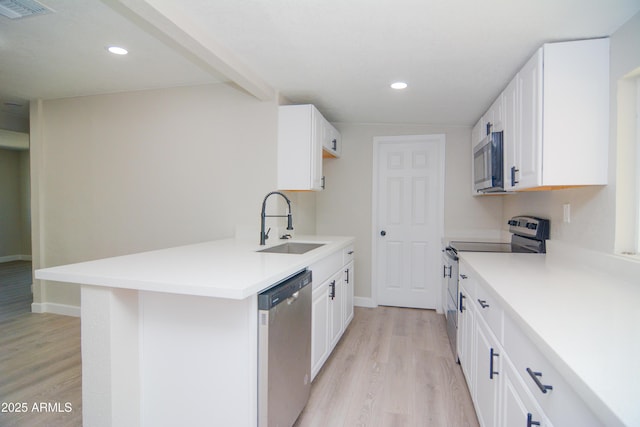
(40, 365)
(393, 367)
(15, 288)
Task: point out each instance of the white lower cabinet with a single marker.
(319, 327)
(332, 307)
(501, 366)
(487, 381)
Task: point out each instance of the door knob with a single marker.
(383, 233)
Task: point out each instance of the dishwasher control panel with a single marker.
(283, 290)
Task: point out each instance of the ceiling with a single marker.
(455, 55)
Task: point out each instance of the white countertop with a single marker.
(228, 268)
(586, 320)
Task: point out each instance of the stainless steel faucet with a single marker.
(264, 236)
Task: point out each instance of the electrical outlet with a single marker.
(566, 213)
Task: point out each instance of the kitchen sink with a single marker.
(292, 248)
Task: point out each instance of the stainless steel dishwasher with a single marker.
(284, 351)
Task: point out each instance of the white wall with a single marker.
(344, 207)
(130, 172)
(593, 210)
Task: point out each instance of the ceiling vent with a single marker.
(16, 9)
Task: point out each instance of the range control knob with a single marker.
(532, 225)
(512, 222)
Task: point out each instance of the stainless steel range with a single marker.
(528, 235)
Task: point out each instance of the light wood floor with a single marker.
(393, 367)
(40, 364)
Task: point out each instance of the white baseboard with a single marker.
(10, 258)
(50, 307)
(364, 302)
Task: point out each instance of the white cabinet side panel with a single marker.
(576, 112)
(198, 360)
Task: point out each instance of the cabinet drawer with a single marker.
(324, 268)
(489, 309)
(560, 403)
(519, 407)
(467, 281)
(347, 255)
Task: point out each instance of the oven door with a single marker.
(451, 303)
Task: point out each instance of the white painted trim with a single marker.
(364, 302)
(10, 258)
(440, 139)
(51, 307)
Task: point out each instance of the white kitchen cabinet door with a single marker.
(511, 135)
(466, 337)
(347, 306)
(477, 134)
(331, 141)
(528, 173)
(487, 379)
(319, 328)
(301, 129)
(336, 295)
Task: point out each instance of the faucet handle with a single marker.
(266, 235)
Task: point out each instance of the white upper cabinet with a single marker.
(526, 169)
(303, 135)
(557, 118)
(331, 141)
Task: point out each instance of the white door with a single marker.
(408, 205)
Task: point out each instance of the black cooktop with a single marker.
(528, 235)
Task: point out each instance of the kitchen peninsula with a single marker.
(169, 337)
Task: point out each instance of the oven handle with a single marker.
(451, 253)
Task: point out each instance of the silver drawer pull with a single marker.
(534, 375)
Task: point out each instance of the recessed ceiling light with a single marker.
(399, 85)
(117, 50)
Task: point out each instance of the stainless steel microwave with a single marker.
(488, 161)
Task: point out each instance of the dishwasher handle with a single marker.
(293, 298)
